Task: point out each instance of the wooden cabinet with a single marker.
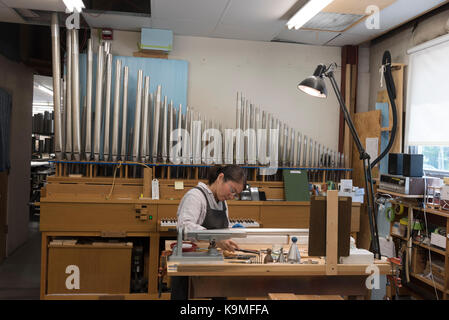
(99, 268)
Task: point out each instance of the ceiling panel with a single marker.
(200, 10)
(398, 13)
(48, 5)
(306, 36)
(127, 22)
(262, 33)
(185, 27)
(345, 38)
(356, 6)
(9, 15)
(253, 19)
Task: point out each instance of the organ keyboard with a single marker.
(169, 224)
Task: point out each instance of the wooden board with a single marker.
(367, 125)
(355, 6)
(291, 296)
(102, 269)
(151, 54)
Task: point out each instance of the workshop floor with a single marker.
(20, 272)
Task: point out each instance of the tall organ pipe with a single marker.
(156, 121)
(124, 114)
(116, 114)
(144, 131)
(68, 99)
(88, 142)
(98, 101)
(56, 62)
(137, 116)
(107, 115)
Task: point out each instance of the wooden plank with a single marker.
(332, 232)
(44, 243)
(282, 296)
(263, 270)
(147, 178)
(355, 6)
(151, 54)
(367, 125)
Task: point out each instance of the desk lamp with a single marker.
(316, 86)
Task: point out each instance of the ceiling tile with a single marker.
(48, 5)
(127, 22)
(253, 19)
(9, 15)
(185, 27)
(204, 10)
(306, 36)
(389, 18)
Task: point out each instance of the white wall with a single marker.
(17, 79)
(398, 42)
(267, 74)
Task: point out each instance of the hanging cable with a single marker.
(391, 89)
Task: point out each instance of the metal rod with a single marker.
(88, 149)
(150, 127)
(164, 130)
(171, 126)
(56, 64)
(116, 114)
(178, 154)
(107, 114)
(123, 156)
(239, 143)
(98, 103)
(144, 131)
(68, 109)
(137, 116)
(156, 121)
(76, 97)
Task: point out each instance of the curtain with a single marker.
(428, 96)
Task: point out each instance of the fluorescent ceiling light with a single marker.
(72, 5)
(307, 12)
(44, 89)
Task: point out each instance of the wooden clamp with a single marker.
(332, 232)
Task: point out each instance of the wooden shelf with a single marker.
(400, 194)
(439, 286)
(431, 248)
(443, 252)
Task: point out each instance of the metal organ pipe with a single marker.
(56, 63)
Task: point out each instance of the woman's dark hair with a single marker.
(231, 172)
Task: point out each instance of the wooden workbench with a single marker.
(258, 280)
(96, 207)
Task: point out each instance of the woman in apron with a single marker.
(204, 207)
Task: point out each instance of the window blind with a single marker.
(427, 121)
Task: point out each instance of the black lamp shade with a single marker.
(314, 86)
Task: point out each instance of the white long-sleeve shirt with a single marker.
(193, 207)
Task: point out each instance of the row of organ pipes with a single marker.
(99, 131)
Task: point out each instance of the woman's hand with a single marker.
(228, 245)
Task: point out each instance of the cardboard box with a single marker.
(438, 240)
(100, 268)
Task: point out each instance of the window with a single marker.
(427, 113)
